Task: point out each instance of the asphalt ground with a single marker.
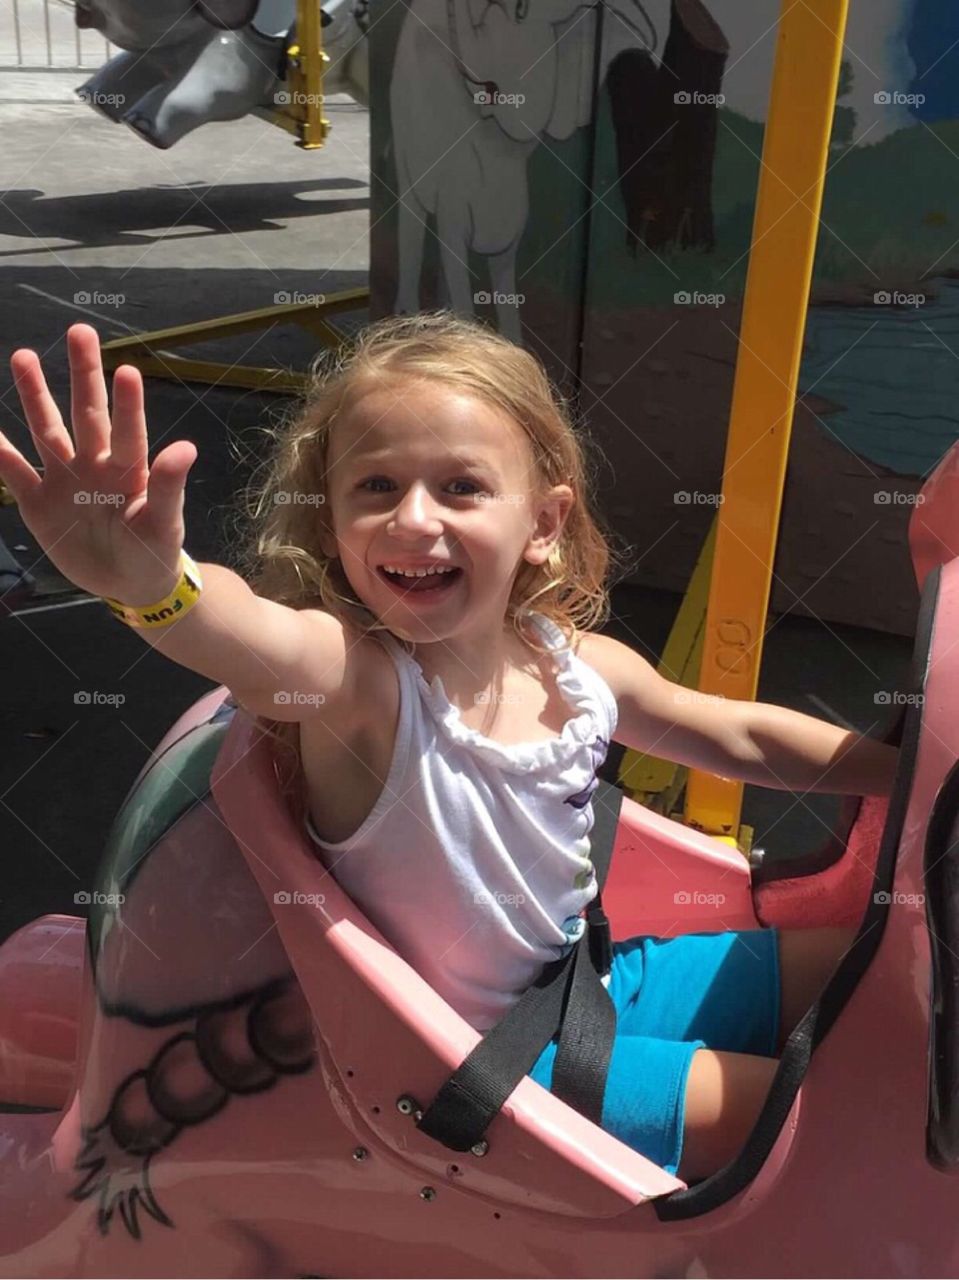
(95, 225)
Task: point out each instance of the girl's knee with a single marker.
(725, 1093)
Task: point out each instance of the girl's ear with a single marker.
(550, 517)
(327, 541)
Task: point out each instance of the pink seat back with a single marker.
(386, 1033)
(934, 523)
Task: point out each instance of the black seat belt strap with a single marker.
(607, 803)
(589, 1026)
(567, 994)
(461, 1112)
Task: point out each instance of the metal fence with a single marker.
(40, 35)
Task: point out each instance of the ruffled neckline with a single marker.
(523, 757)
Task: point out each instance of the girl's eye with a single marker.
(377, 480)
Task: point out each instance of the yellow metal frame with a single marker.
(302, 116)
(147, 351)
(723, 639)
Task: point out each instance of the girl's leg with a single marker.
(807, 960)
(725, 1093)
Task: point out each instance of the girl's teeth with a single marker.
(416, 573)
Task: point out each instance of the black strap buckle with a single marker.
(600, 937)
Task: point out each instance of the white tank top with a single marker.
(474, 861)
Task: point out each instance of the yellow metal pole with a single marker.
(315, 127)
(306, 58)
(788, 201)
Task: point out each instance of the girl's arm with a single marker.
(288, 664)
(755, 742)
(790, 751)
(113, 525)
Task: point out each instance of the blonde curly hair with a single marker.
(280, 554)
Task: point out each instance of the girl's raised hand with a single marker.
(108, 521)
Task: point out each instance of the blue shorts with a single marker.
(672, 997)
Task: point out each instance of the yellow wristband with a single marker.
(171, 609)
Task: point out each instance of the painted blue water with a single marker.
(895, 372)
(933, 44)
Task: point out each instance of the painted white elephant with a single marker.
(475, 87)
(189, 62)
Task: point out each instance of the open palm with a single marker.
(109, 521)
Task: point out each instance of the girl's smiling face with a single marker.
(426, 475)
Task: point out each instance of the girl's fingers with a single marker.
(166, 485)
(128, 443)
(89, 407)
(43, 417)
(15, 472)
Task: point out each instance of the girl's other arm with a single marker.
(790, 751)
(755, 742)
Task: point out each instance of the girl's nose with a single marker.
(415, 514)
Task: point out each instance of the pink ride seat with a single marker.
(665, 879)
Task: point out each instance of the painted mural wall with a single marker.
(584, 178)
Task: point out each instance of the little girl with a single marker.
(429, 579)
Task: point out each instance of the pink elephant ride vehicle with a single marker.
(222, 1070)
